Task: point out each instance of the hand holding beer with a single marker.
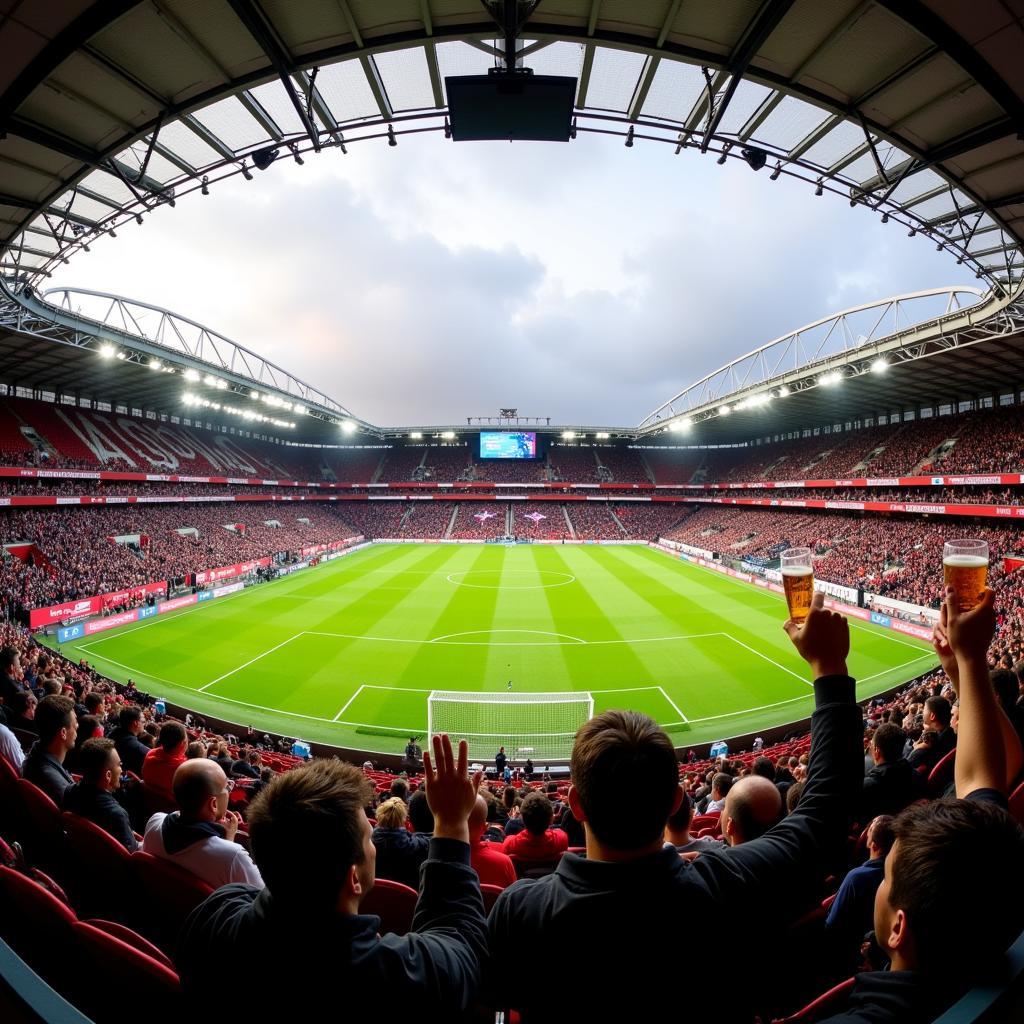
(823, 640)
(970, 633)
(798, 581)
(965, 568)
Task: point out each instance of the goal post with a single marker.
(540, 726)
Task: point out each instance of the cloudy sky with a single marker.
(434, 281)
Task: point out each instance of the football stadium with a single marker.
(721, 628)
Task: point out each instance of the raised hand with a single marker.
(451, 793)
(823, 639)
(970, 633)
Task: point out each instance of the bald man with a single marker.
(752, 806)
(491, 865)
(200, 836)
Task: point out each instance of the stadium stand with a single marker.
(427, 519)
(570, 462)
(625, 465)
(401, 463)
(594, 520)
(480, 520)
(446, 462)
(543, 522)
(356, 466)
(509, 471)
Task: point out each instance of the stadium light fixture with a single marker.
(568, 435)
(448, 435)
(756, 157)
(392, 141)
(885, 218)
(192, 375)
(254, 395)
(783, 391)
(122, 355)
(724, 410)
(221, 384)
(154, 364)
(831, 378)
(107, 351)
(880, 365)
(263, 158)
(246, 173)
(629, 138)
(206, 185)
(777, 171)
(725, 153)
(602, 435)
(415, 435)
(911, 232)
(209, 380)
(295, 153)
(348, 427)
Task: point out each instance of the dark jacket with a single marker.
(400, 854)
(133, 752)
(321, 958)
(885, 997)
(244, 769)
(46, 772)
(101, 809)
(945, 741)
(888, 788)
(621, 921)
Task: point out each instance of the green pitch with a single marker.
(346, 653)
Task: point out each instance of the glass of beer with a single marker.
(965, 568)
(798, 581)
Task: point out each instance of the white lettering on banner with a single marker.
(229, 588)
(793, 503)
(844, 483)
(791, 483)
(98, 625)
(939, 510)
(973, 479)
(69, 501)
(883, 481)
(178, 602)
(845, 504)
(5, 501)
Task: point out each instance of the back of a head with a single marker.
(941, 709)
(683, 816)
(508, 797)
(611, 752)
(478, 817)
(195, 781)
(172, 736)
(400, 788)
(392, 813)
(882, 833)
(537, 813)
(420, 815)
(953, 873)
(307, 828)
(764, 767)
(889, 740)
(723, 783)
(754, 805)
(127, 717)
(7, 658)
(1004, 682)
(93, 758)
(53, 714)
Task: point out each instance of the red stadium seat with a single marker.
(134, 939)
(824, 1006)
(98, 866)
(942, 775)
(490, 894)
(169, 895)
(43, 835)
(113, 968)
(393, 902)
(36, 924)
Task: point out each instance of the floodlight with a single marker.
(392, 141)
(107, 351)
(685, 423)
(828, 379)
(415, 435)
(629, 138)
(254, 395)
(911, 232)
(221, 384)
(448, 435)
(777, 172)
(568, 435)
(206, 185)
(348, 427)
(725, 153)
(783, 391)
(263, 158)
(188, 398)
(192, 375)
(756, 158)
(295, 153)
(885, 218)
(820, 188)
(121, 355)
(724, 410)
(880, 365)
(154, 364)
(602, 435)
(246, 173)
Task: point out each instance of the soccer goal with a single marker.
(540, 726)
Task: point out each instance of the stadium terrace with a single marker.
(393, 709)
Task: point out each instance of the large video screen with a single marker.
(508, 444)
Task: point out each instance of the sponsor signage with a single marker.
(111, 622)
(66, 633)
(177, 602)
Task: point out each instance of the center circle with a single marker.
(458, 579)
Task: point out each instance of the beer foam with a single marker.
(797, 570)
(963, 561)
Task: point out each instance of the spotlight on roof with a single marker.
(348, 427)
(295, 153)
(107, 351)
(263, 158)
(685, 423)
(724, 410)
(777, 171)
(246, 173)
(819, 188)
(415, 435)
(629, 138)
(568, 435)
(602, 435)
(725, 153)
(911, 232)
(448, 435)
(831, 378)
(783, 391)
(206, 184)
(210, 381)
(138, 218)
(192, 375)
(885, 218)
(221, 384)
(392, 141)
(154, 364)
(756, 158)
(880, 365)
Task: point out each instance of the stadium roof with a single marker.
(913, 109)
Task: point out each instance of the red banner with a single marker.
(90, 605)
(918, 508)
(226, 572)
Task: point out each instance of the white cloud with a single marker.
(436, 281)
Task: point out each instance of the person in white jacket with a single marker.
(200, 836)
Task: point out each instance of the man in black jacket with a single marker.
(93, 797)
(57, 725)
(311, 841)
(892, 783)
(937, 715)
(130, 748)
(617, 915)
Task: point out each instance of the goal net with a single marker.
(540, 726)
